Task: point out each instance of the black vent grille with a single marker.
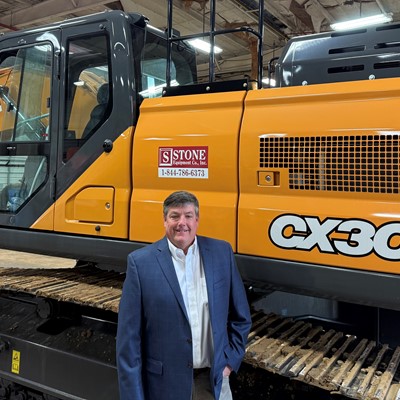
(358, 54)
(336, 163)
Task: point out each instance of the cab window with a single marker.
(25, 79)
(25, 83)
(88, 95)
(154, 66)
(20, 177)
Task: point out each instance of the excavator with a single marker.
(103, 116)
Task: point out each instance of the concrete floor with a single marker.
(18, 259)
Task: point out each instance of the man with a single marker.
(183, 317)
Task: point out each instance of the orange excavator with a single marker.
(101, 117)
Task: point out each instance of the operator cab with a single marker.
(69, 90)
(65, 91)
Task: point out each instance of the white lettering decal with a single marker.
(319, 234)
(363, 237)
(360, 241)
(279, 225)
(382, 241)
(183, 162)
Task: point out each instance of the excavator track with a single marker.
(355, 367)
(87, 286)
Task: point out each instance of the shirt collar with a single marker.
(178, 254)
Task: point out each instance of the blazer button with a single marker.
(189, 340)
(190, 365)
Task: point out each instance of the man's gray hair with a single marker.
(180, 199)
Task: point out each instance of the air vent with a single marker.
(387, 64)
(348, 33)
(387, 45)
(345, 68)
(389, 27)
(367, 164)
(342, 50)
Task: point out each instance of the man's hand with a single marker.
(227, 371)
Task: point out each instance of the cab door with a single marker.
(94, 175)
(28, 126)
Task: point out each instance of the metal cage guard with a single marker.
(212, 33)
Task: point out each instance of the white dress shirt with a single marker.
(190, 273)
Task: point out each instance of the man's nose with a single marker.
(182, 220)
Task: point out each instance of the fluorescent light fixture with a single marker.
(271, 82)
(361, 22)
(155, 91)
(204, 46)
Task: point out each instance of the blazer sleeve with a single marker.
(128, 346)
(239, 319)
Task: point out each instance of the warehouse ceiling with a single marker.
(283, 19)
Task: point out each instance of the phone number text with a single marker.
(194, 173)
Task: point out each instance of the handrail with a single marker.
(212, 33)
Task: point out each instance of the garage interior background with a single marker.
(283, 19)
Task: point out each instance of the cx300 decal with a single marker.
(358, 238)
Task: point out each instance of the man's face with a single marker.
(181, 226)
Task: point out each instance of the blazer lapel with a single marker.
(206, 256)
(165, 261)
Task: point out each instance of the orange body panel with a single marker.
(361, 207)
(4, 75)
(206, 124)
(287, 201)
(100, 196)
(45, 221)
(93, 204)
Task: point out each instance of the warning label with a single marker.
(16, 360)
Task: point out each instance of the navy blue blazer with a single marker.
(154, 345)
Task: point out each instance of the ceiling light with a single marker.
(155, 91)
(269, 82)
(361, 22)
(204, 46)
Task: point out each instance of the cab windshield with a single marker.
(154, 66)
